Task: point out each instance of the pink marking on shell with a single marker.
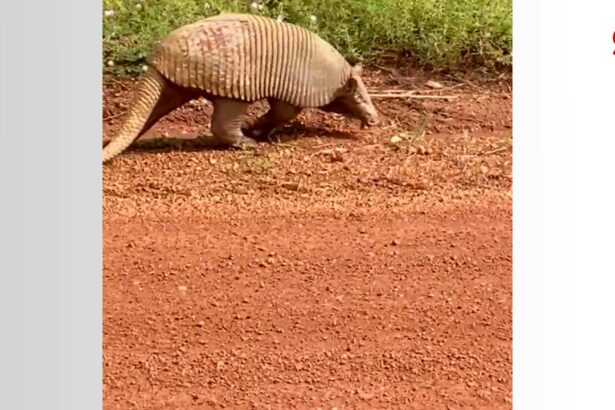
(215, 37)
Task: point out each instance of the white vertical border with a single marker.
(564, 202)
(50, 205)
(527, 126)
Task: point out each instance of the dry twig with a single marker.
(110, 117)
(411, 95)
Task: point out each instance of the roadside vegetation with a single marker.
(434, 34)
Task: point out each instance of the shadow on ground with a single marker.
(287, 134)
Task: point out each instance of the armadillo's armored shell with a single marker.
(250, 58)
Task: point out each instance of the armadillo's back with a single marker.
(250, 57)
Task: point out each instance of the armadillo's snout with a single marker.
(370, 118)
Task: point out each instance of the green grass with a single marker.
(439, 34)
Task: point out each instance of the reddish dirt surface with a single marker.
(331, 270)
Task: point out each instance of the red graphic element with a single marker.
(614, 41)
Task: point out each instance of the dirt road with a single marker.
(331, 270)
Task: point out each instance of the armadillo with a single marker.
(234, 60)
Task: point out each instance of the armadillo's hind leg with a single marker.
(226, 122)
(154, 97)
(172, 98)
(280, 112)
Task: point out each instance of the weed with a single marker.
(259, 165)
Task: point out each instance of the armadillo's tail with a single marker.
(146, 109)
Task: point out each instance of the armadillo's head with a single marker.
(353, 100)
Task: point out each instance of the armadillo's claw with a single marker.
(367, 124)
(244, 143)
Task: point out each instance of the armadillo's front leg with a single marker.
(226, 122)
(279, 113)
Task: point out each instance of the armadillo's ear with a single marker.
(357, 70)
(352, 84)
